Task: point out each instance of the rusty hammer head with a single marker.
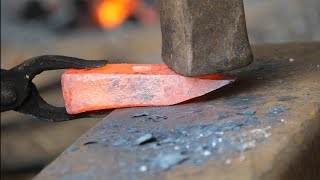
(204, 37)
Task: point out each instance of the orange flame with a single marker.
(112, 13)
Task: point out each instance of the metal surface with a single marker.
(20, 94)
(264, 126)
(204, 37)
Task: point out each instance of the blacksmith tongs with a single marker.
(18, 93)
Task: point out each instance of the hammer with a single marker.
(201, 37)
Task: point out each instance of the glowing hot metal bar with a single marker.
(132, 85)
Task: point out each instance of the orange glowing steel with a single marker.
(112, 13)
(132, 85)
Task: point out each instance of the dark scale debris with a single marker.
(161, 117)
(95, 141)
(140, 114)
(90, 142)
(276, 110)
(159, 149)
(157, 118)
(146, 138)
(248, 112)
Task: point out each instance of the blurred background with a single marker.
(117, 30)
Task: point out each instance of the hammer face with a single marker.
(204, 37)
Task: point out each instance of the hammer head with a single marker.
(204, 37)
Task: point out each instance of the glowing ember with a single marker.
(112, 13)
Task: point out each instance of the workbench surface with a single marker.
(266, 125)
